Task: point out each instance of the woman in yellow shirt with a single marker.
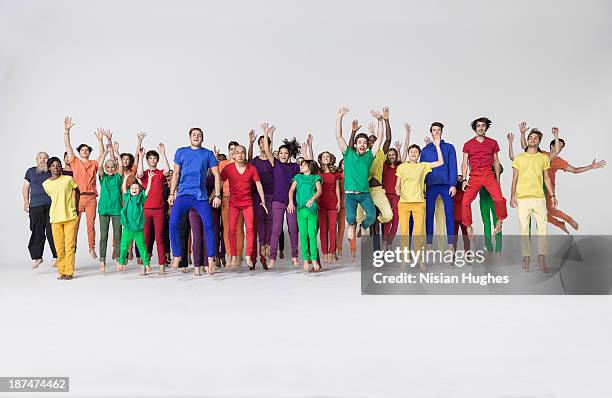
(410, 187)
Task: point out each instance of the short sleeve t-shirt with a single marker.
(194, 164)
(530, 168)
(38, 196)
(132, 213)
(84, 173)
(306, 186)
(356, 170)
(412, 181)
(110, 195)
(283, 174)
(264, 168)
(60, 190)
(376, 171)
(155, 199)
(389, 179)
(328, 198)
(240, 185)
(556, 164)
(481, 155)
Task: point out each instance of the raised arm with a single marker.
(67, 126)
(311, 152)
(556, 146)
(124, 182)
(308, 147)
(162, 153)
(114, 152)
(406, 141)
(139, 152)
(440, 160)
(252, 139)
(266, 134)
(101, 149)
(387, 143)
(354, 129)
(140, 166)
(101, 160)
(341, 142)
(510, 137)
(379, 133)
(523, 129)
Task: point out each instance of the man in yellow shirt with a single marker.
(528, 178)
(63, 216)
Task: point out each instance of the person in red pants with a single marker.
(329, 205)
(154, 206)
(480, 154)
(241, 175)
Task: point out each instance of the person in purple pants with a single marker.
(283, 171)
(263, 220)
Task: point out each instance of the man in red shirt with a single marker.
(241, 175)
(154, 206)
(480, 154)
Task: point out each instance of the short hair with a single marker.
(312, 165)
(414, 146)
(485, 120)
(113, 161)
(152, 153)
(194, 129)
(561, 140)
(261, 138)
(361, 135)
(232, 143)
(84, 145)
(240, 146)
(222, 156)
(536, 132)
(52, 160)
(436, 124)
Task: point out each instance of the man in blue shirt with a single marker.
(440, 182)
(188, 191)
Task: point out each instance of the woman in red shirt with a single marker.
(388, 181)
(329, 205)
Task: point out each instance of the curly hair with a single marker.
(293, 146)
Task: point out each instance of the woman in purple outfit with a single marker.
(283, 171)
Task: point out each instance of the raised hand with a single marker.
(141, 151)
(215, 150)
(510, 137)
(407, 127)
(427, 140)
(398, 146)
(109, 148)
(109, 135)
(385, 113)
(355, 127)
(252, 136)
(116, 146)
(141, 135)
(371, 128)
(598, 165)
(162, 148)
(68, 123)
(555, 131)
(523, 127)
(376, 114)
(151, 175)
(266, 128)
(271, 131)
(99, 133)
(342, 111)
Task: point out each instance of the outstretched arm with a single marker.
(523, 129)
(594, 165)
(341, 142)
(387, 143)
(67, 126)
(252, 139)
(379, 133)
(510, 137)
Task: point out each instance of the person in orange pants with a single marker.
(85, 172)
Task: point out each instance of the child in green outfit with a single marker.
(307, 188)
(132, 219)
(109, 205)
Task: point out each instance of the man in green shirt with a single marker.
(358, 161)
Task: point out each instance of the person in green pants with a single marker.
(132, 220)
(307, 188)
(109, 205)
(487, 211)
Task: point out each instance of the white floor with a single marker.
(285, 333)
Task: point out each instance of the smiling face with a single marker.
(326, 158)
(135, 189)
(196, 137)
(362, 145)
(283, 155)
(109, 167)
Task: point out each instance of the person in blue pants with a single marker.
(188, 191)
(440, 182)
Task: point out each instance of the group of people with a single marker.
(212, 209)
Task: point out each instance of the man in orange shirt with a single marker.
(225, 210)
(85, 172)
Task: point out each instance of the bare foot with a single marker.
(54, 263)
(142, 271)
(102, 266)
(211, 267)
(316, 266)
(148, 269)
(93, 254)
(526, 261)
(36, 263)
(175, 263)
(470, 232)
(271, 263)
(364, 232)
(422, 267)
(498, 227)
(542, 263)
(118, 266)
(162, 270)
(564, 228)
(353, 254)
(196, 271)
(296, 263)
(306, 266)
(574, 224)
(350, 232)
